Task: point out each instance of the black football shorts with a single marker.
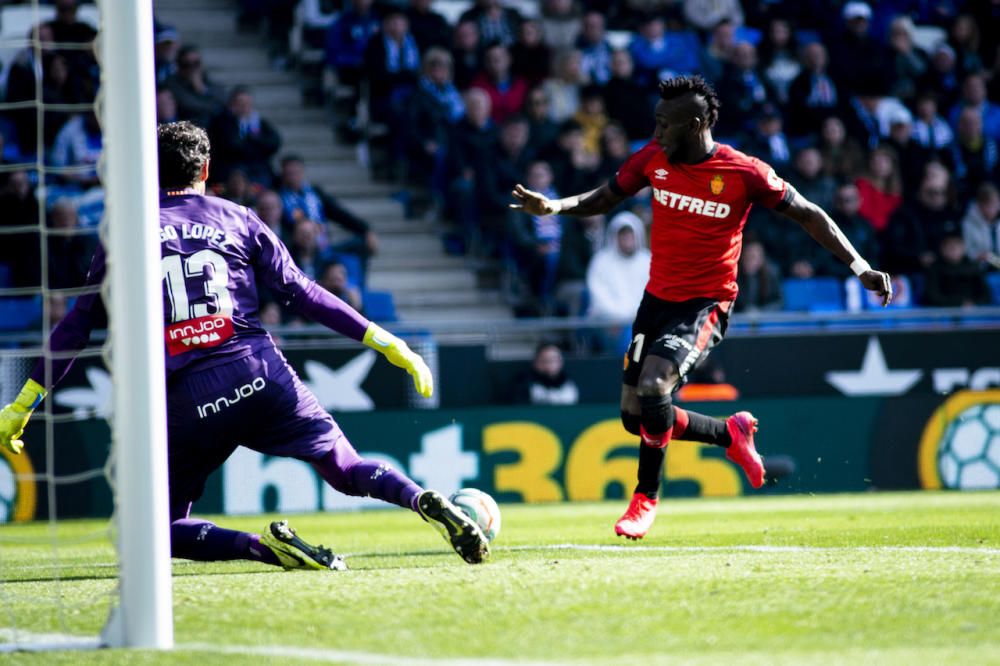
(683, 332)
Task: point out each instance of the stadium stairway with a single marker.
(426, 283)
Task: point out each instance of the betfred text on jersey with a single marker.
(239, 393)
(691, 204)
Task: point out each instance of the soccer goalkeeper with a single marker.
(227, 383)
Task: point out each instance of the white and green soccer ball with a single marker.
(969, 452)
(481, 508)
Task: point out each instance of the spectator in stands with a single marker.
(301, 200)
(198, 98)
(881, 188)
(974, 155)
(560, 23)
(506, 91)
(592, 118)
(758, 279)
(778, 58)
(911, 155)
(271, 212)
(165, 52)
(242, 139)
(536, 240)
(563, 88)
(543, 130)
(166, 106)
(392, 64)
(495, 23)
(79, 143)
(429, 28)
(581, 238)
(844, 212)
(466, 54)
(718, 50)
(346, 41)
(907, 63)
(768, 142)
(981, 227)
(614, 151)
(333, 278)
(58, 87)
(22, 75)
(546, 383)
(656, 52)
(856, 49)
(941, 78)
(20, 251)
(915, 230)
(531, 58)
(594, 49)
(69, 248)
(809, 179)
(742, 91)
(473, 147)
(514, 156)
(929, 129)
(617, 275)
(842, 156)
(238, 189)
(964, 38)
(626, 101)
(305, 248)
(974, 97)
(812, 95)
(706, 14)
(954, 280)
(574, 167)
(432, 111)
(861, 117)
(68, 29)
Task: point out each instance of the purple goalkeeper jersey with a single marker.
(214, 253)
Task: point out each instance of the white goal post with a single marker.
(144, 617)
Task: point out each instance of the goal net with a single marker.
(84, 542)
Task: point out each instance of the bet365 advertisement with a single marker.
(580, 453)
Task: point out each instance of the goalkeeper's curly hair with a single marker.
(183, 149)
(681, 85)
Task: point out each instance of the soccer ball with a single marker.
(481, 508)
(969, 453)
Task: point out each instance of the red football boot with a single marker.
(638, 518)
(742, 426)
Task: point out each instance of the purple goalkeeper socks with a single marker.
(351, 474)
(201, 540)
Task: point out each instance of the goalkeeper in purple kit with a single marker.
(227, 383)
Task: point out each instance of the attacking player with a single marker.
(702, 193)
(227, 383)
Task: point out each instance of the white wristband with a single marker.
(859, 266)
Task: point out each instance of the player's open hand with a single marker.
(880, 283)
(533, 203)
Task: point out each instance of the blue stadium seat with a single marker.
(4, 275)
(993, 280)
(18, 314)
(813, 294)
(379, 306)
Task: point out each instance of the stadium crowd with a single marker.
(885, 114)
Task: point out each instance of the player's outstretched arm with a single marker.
(594, 202)
(825, 231)
(14, 417)
(398, 353)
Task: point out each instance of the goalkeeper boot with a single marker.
(742, 426)
(294, 553)
(456, 527)
(638, 517)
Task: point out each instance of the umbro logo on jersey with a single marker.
(660, 173)
(691, 204)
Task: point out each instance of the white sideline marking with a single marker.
(14, 640)
(963, 550)
(354, 657)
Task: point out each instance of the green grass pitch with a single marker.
(896, 578)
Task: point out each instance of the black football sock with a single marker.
(657, 414)
(701, 428)
(650, 470)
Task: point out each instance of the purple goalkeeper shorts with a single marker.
(258, 402)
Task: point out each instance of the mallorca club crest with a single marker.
(717, 184)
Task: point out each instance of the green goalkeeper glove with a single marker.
(15, 416)
(401, 356)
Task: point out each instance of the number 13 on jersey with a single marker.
(209, 270)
